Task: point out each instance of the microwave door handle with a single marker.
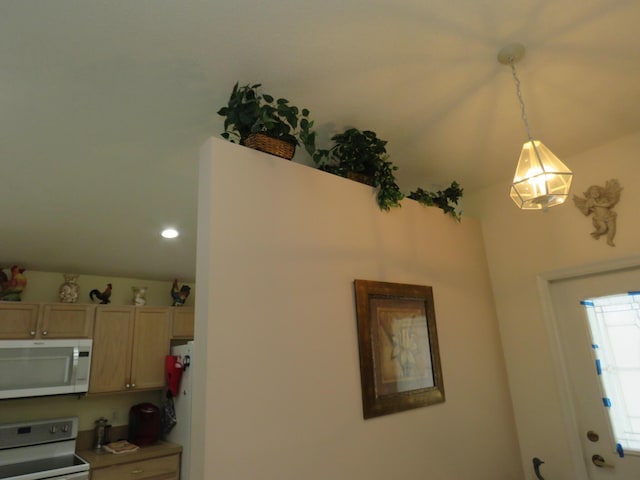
(74, 365)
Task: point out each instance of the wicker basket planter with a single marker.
(274, 146)
(360, 178)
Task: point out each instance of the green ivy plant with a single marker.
(353, 152)
(446, 199)
(363, 153)
(250, 111)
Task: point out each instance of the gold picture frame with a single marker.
(398, 345)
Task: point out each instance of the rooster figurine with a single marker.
(179, 294)
(11, 288)
(103, 296)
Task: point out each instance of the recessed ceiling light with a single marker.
(169, 233)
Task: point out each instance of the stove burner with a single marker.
(48, 466)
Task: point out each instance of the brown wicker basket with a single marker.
(360, 177)
(274, 146)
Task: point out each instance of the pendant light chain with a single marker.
(519, 93)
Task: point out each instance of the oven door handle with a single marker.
(73, 476)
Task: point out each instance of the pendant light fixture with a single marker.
(541, 179)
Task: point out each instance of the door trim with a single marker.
(544, 281)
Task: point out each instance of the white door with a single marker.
(583, 363)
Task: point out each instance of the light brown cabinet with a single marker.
(34, 320)
(18, 320)
(161, 468)
(129, 348)
(156, 462)
(183, 323)
(63, 320)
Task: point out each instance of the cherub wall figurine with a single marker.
(180, 294)
(600, 201)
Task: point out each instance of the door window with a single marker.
(614, 322)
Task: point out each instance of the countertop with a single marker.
(106, 459)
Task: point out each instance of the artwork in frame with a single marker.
(398, 343)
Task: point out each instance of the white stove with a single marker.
(43, 449)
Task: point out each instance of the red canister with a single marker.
(144, 424)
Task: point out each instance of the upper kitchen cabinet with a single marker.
(18, 320)
(151, 344)
(183, 323)
(112, 345)
(63, 320)
(129, 348)
(33, 320)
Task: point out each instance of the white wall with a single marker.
(523, 244)
(276, 370)
(87, 408)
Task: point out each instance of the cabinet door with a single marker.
(151, 343)
(112, 343)
(183, 323)
(18, 320)
(62, 320)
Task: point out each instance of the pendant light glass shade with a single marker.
(541, 180)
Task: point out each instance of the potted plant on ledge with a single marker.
(362, 156)
(259, 121)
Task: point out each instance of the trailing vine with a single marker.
(446, 199)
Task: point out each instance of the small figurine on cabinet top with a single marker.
(600, 201)
(179, 295)
(103, 296)
(11, 288)
(138, 295)
(69, 290)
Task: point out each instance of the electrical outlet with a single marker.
(114, 416)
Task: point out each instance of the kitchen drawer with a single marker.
(160, 468)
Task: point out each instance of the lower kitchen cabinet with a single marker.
(162, 468)
(129, 348)
(155, 462)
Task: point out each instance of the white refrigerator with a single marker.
(181, 432)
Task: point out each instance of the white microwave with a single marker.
(33, 368)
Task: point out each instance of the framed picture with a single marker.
(398, 344)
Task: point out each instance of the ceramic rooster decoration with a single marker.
(103, 296)
(11, 287)
(179, 294)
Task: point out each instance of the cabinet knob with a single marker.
(32, 333)
(44, 333)
(127, 386)
(133, 385)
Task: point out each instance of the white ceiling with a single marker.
(104, 105)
